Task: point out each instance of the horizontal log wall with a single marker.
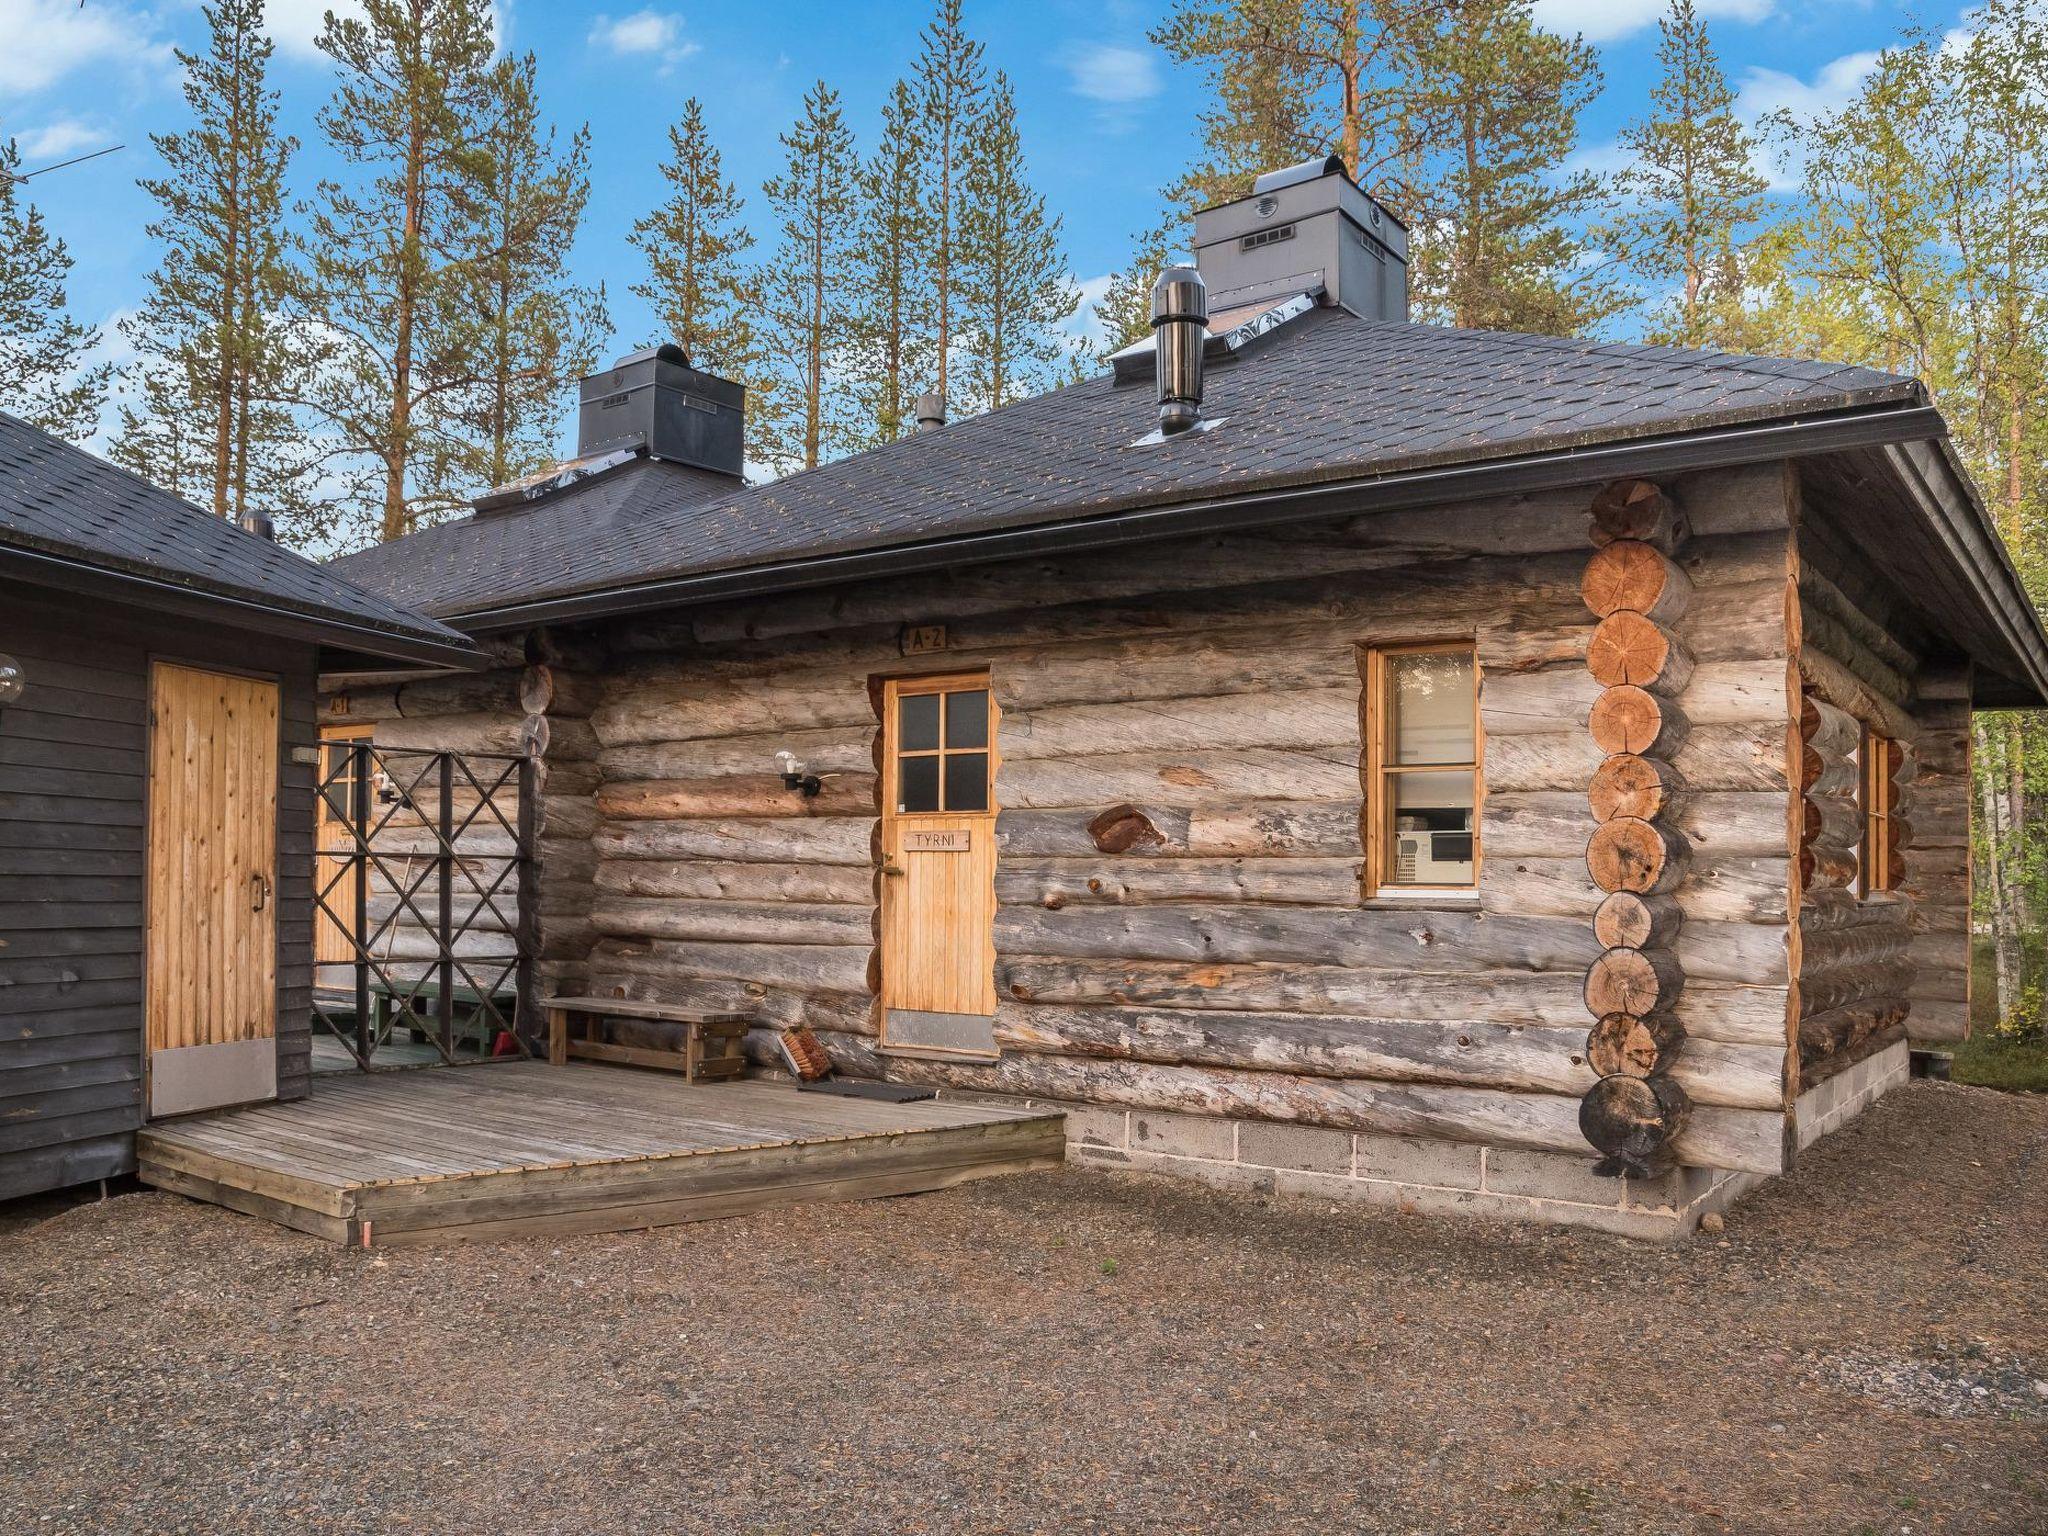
(537, 701)
(1179, 921)
(1894, 960)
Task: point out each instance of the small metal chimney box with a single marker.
(654, 399)
(1306, 226)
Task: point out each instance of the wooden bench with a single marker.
(711, 1040)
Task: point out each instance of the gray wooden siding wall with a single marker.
(73, 770)
(542, 705)
(1222, 962)
(1862, 651)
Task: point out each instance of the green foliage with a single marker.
(1693, 199)
(217, 363)
(1124, 312)
(539, 330)
(696, 248)
(1495, 216)
(1014, 290)
(42, 348)
(806, 287)
(950, 85)
(891, 350)
(390, 255)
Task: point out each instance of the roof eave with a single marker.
(46, 568)
(1898, 421)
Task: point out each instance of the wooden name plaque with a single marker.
(959, 841)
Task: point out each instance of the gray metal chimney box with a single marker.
(1308, 225)
(674, 411)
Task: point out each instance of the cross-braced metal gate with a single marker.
(424, 896)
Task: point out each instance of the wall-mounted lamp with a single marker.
(13, 681)
(794, 777)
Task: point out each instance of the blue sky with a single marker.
(1106, 118)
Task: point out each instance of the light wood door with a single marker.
(335, 870)
(939, 862)
(211, 971)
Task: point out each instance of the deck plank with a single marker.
(505, 1150)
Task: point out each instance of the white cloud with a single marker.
(48, 39)
(54, 141)
(1768, 90)
(1602, 21)
(1114, 74)
(294, 25)
(1082, 327)
(657, 34)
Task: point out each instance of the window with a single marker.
(941, 747)
(1422, 768)
(1876, 792)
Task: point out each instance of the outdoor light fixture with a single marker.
(12, 680)
(794, 777)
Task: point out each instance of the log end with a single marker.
(1632, 1121)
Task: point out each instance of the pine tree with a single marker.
(43, 350)
(541, 331)
(391, 259)
(1014, 292)
(696, 249)
(1691, 193)
(166, 435)
(1124, 312)
(1292, 79)
(209, 326)
(950, 84)
(805, 287)
(1497, 218)
(891, 354)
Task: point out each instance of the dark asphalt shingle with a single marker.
(59, 500)
(1324, 396)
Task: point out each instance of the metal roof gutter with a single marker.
(47, 569)
(1872, 427)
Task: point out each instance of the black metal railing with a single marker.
(422, 913)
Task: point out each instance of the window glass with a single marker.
(917, 784)
(967, 719)
(1429, 696)
(1432, 842)
(917, 727)
(966, 781)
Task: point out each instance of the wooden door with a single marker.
(335, 870)
(211, 953)
(939, 863)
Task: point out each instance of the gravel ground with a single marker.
(1071, 1352)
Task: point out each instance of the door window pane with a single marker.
(1430, 701)
(966, 781)
(917, 784)
(967, 719)
(917, 723)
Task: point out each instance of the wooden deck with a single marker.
(515, 1149)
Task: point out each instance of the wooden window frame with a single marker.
(1877, 800)
(1379, 805)
(897, 689)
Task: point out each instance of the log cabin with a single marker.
(1481, 773)
(157, 732)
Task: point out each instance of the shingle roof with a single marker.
(1325, 396)
(57, 500)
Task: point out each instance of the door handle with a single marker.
(259, 891)
(892, 869)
